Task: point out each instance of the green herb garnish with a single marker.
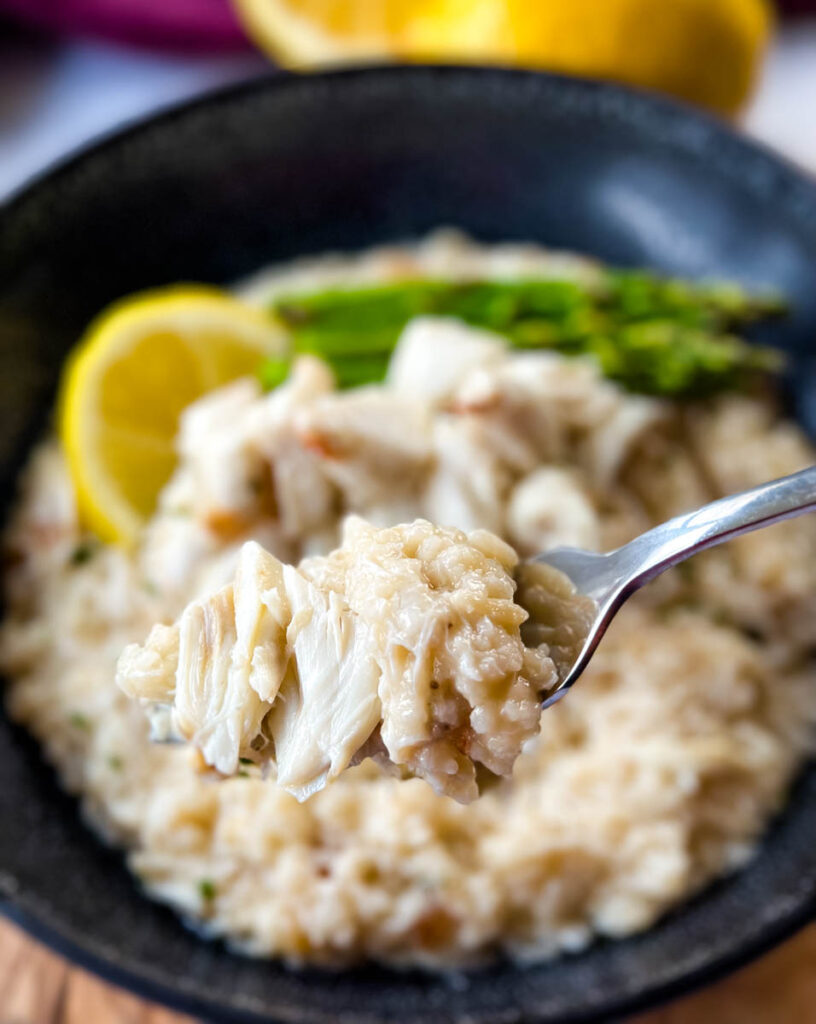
(78, 720)
(82, 553)
(115, 763)
(206, 888)
(653, 335)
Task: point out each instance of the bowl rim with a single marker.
(35, 925)
(692, 128)
(746, 161)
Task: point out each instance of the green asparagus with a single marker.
(653, 335)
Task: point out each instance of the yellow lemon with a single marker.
(705, 51)
(140, 363)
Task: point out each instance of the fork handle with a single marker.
(686, 535)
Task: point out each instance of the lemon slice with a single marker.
(140, 363)
(706, 51)
(307, 32)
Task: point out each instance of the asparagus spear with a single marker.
(653, 335)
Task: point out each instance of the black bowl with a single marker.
(288, 166)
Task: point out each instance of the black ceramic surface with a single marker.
(295, 165)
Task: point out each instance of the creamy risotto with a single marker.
(657, 774)
(404, 644)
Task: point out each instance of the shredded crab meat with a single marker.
(481, 444)
(403, 644)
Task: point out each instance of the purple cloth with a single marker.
(178, 24)
(798, 6)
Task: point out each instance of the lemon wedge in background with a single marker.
(705, 51)
(139, 364)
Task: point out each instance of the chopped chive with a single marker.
(246, 760)
(206, 888)
(79, 721)
(82, 553)
(115, 763)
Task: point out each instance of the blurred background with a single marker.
(73, 69)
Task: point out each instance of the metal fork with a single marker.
(609, 579)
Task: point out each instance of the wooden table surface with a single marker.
(37, 987)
